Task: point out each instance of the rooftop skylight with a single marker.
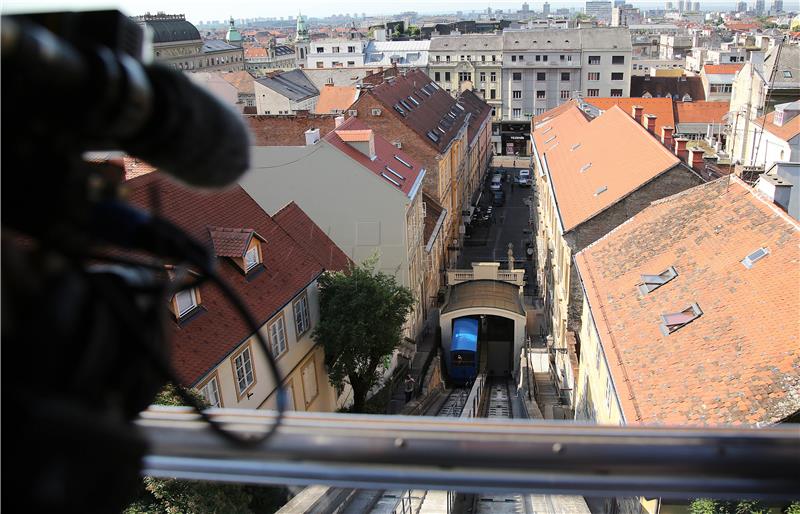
(413, 100)
(585, 167)
(549, 139)
(601, 190)
(575, 147)
(754, 257)
(677, 320)
(433, 137)
(399, 109)
(390, 179)
(548, 129)
(652, 282)
(407, 165)
(390, 170)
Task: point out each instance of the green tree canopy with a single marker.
(361, 317)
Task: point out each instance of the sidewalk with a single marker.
(426, 345)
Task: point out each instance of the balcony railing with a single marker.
(516, 277)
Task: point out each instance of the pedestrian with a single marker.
(409, 387)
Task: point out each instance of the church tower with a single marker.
(233, 37)
(301, 42)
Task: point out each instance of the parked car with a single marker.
(524, 177)
(497, 182)
(499, 197)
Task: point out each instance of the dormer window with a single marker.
(677, 320)
(241, 245)
(652, 282)
(251, 258)
(185, 301)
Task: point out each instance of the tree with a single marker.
(361, 316)
(707, 506)
(170, 496)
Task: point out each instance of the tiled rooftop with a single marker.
(739, 361)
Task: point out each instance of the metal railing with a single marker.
(473, 402)
(399, 452)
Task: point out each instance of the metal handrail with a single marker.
(400, 452)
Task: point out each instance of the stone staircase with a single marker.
(547, 396)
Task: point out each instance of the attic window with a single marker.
(407, 165)
(440, 129)
(413, 100)
(549, 139)
(601, 190)
(586, 167)
(575, 147)
(390, 179)
(459, 106)
(399, 109)
(652, 282)
(451, 114)
(390, 170)
(754, 257)
(548, 129)
(251, 258)
(433, 137)
(677, 320)
(434, 85)
(405, 104)
(787, 74)
(425, 91)
(185, 302)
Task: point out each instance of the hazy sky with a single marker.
(197, 10)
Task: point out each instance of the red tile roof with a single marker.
(676, 87)
(739, 362)
(135, 167)
(479, 110)
(589, 167)
(787, 131)
(334, 99)
(701, 112)
(660, 107)
(241, 80)
(255, 52)
(307, 234)
(433, 111)
(741, 26)
(204, 341)
(722, 69)
(403, 173)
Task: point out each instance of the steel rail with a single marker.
(396, 452)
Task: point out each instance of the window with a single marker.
(521, 57)
(447, 58)
(492, 94)
(494, 58)
(351, 63)
(513, 58)
(565, 77)
(544, 58)
(561, 57)
(593, 75)
(540, 94)
(464, 76)
(493, 77)
(538, 58)
(754, 257)
(674, 321)
(483, 76)
(569, 58)
(351, 49)
(650, 283)
(335, 49)
(721, 88)
(617, 76)
(438, 59)
(320, 50)
(447, 76)
(310, 389)
(516, 94)
(302, 320)
(592, 92)
(243, 370)
(320, 64)
(594, 59)
(541, 76)
(210, 392)
(609, 394)
(288, 388)
(516, 113)
(515, 76)
(617, 59)
(277, 337)
(185, 302)
(787, 74)
(616, 92)
(251, 258)
(564, 94)
(483, 58)
(437, 76)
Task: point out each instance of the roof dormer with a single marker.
(243, 246)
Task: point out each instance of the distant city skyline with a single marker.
(239, 9)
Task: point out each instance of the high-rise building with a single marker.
(777, 6)
(681, 5)
(525, 7)
(546, 9)
(759, 7)
(619, 3)
(741, 7)
(696, 7)
(669, 6)
(600, 10)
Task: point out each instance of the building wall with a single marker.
(260, 66)
(271, 102)
(336, 54)
(363, 215)
(301, 352)
(189, 56)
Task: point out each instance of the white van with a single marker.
(497, 182)
(524, 177)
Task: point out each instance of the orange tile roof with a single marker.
(661, 108)
(701, 112)
(255, 52)
(787, 131)
(722, 69)
(241, 80)
(355, 135)
(739, 362)
(552, 113)
(570, 143)
(135, 167)
(335, 99)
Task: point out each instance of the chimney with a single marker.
(666, 137)
(338, 121)
(637, 113)
(312, 136)
(775, 188)
(696, 159)
(650, 120)
(680, 148)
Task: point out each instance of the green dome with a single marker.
(233, 34)
(302, 30)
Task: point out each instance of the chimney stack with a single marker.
(312, 136)
(680, 148)
(666, 137)
(637, 113)
(650, 120)
(338, 121)
(696, 159)
(775, 188)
